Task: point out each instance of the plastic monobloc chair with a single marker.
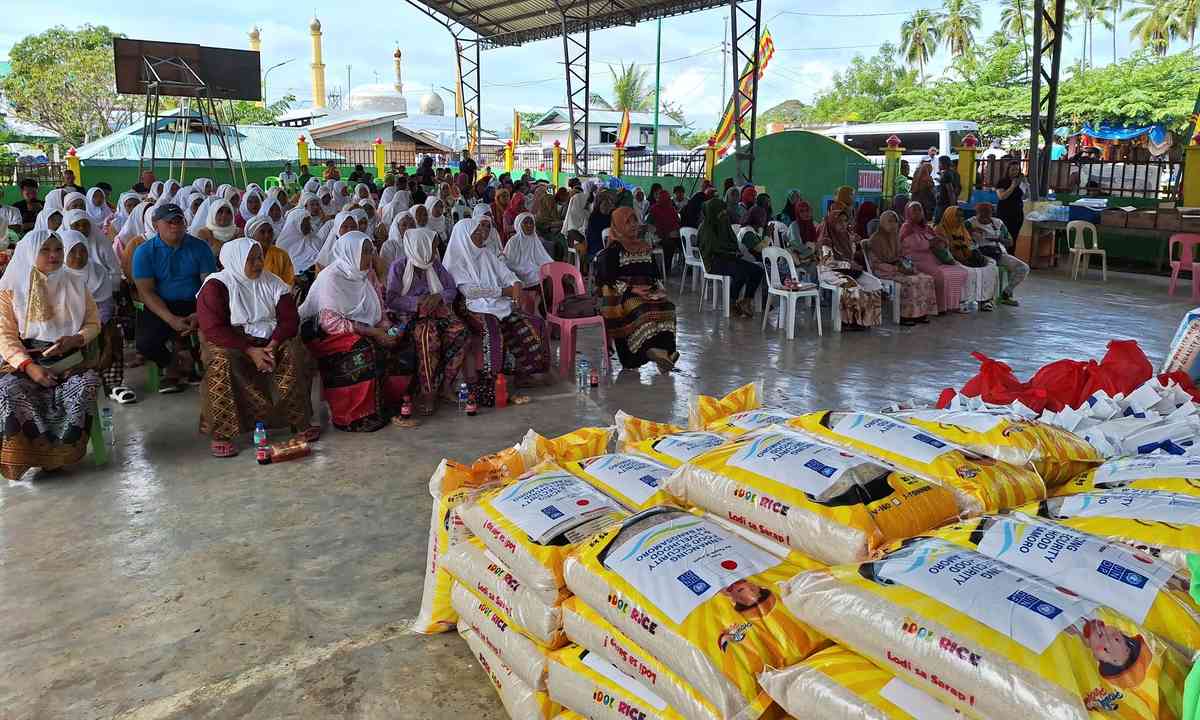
(555, 272)
(787, 298)
(1187, 261)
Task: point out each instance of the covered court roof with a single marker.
(515, 22)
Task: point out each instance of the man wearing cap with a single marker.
(168, 269)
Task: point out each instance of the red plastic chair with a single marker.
(1186, 261)
(555, 272)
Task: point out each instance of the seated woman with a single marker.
(665, 219)
(514, 343)
(47, 388)
(575, 225)
(918, 295)
(752, 237)
(992, 239)
(95, 260)
(982, 273)
(598, 221)
(393, 248)
(524, 254)
(218, 227)
(802, 238)
(439, 223)
(276, 261)
(421, 294)
(364, 370)
(499, 207)
(862, 296)
(254, 367)
(721, 254)
(929, 255)
(637, 315)
(252, 202)
(299, 240)
(272, 212)
(505, 224)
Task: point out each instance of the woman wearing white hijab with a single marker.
(74, 201)
(364, 372)
(341, 193)
(276, 261)
(362, 192)
(9, 216)
(252, 203)
(125, 205)
(218, 226)
(204, 186)
(439, 222)
(393, 248)
(156, 191)
(47, 388)
(482, 213)
(100, 252)
(251, 346)
(273, 212)
(48, 219)
(312, 186)
(97, 207)
(576, 221)
(200, 216)
(54, 199)
(342, 223)
(299, 240)
(386, 197)
(421, 293)
(92, 259)
(525, 254)
(129, 234)
(490, 290)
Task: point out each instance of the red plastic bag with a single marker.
(1063, 382)
(1125, 366)
(995, 382)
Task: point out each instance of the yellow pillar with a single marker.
(556, 166)
(318, 67)
(380, 159)
(618, 161)
(508, 156)
(302, 151)
(891, 167)
(710, 159)
(1191, 174)
(256, 46)
(966, 166)
(75, 165)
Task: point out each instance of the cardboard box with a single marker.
(1114, 217)
(1169, 219)
(1144, 219)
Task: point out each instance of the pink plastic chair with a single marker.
(555, 272)
(1187, 261)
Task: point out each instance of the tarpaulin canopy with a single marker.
(1106, 131)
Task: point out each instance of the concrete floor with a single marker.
(174, 585)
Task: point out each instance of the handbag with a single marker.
(574, 307)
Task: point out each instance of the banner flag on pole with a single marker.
(516, 133)
(623, 130)
(724, 136)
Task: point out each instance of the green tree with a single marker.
(1114, 7)
(1091, 12)
(919, 36)
(64, 80)
(629, 89)
(249, 113)
(1016, 20)
(1156, 24)
(1139, 90)
(866, 88)
(1187, 13)
(960, 20)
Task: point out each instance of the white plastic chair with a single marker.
(573, 257)
(787, 298)
(890, 288)
(693, 265)
(739, 234)
(776, 234)
(1081, 252)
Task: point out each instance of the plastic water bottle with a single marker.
(584, 373)
(106, 426)
(262, 451)
(463, 394)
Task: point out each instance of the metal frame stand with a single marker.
(576, 62)
(1042, 124)
(745, 86)
(467, 47)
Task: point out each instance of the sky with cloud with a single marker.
(813, 42)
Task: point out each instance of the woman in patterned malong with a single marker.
(639, 318)
(252, 353)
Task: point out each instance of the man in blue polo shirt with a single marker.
(168, 269)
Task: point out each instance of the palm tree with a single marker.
(1115, 6)
(629, 88)
(1187, 13)
(1091, 11)
(919, 37)
(1016, 19)
(1157, 24)
(960, 20)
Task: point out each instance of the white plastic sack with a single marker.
(520, 701)
(526, 658)
(478, 569)
(588, 683)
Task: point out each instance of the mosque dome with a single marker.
(378, 97)
(315, 25)
(432, 104)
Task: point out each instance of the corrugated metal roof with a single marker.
(260, 143)
(501, 22)
(597, 116)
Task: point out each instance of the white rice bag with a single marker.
(520, 701)
(477, 568)
(526, 658)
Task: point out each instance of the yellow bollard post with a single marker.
(380, 159)
(710, 159)
(1191, 173)
(556, 166)
(618, 161)
(75, 166)
(508, 156)
(302, 150)
(891, 168)
(966, 166)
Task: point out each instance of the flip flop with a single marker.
(222, 449)
(310, 434)
(123, 395)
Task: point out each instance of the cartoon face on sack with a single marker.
(745, 595)
(1122, 660)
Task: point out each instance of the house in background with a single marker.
(602, 129)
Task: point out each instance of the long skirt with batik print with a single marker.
(440, 342)
(862, 297)
(636, 324)
(112, 348)
(362, 382)
(235, 394)
(515, 345)
(44, 427)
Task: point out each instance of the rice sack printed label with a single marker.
(990, 639)
(634, 480)
(520, 701)
(704, 410)
(575, 445)
(587, 628)
(539, 616)
(1163, 524)
(830, 504)
(676, 449)
(739, 424)
(532, 524)
(1056, 454)
(837, 684)
(701, 598)
(1174, 473)
(496, 629)
(1145, 589)
(632, 430)
(981, 484)
(586, 682)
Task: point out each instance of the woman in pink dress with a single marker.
(918, 241)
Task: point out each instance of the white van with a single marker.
(915, 137)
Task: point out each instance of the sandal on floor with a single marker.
(310, 434)
(122, 395)
(222, 449)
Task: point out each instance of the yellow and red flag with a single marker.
(516, 133)
(725, 130)
(623, 130)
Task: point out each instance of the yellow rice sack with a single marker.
(740, 423)
(980, 483)
(1143, 588)
(632, 430)
(1056, 454)
(587, 628)
(588, 683)
(634, 480)
(569, 715)
(1174, 473)
(575, 445)
(502, 636)
(1164, 524)
(837, 684)
(475, 567)
(831, 505)
(702, 599)
(991, 640)
(534, 522)
(451, 485)
(520, 701)
(499, 467)
(677, 448)
(704, 410)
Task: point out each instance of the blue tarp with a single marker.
(1157, 133)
